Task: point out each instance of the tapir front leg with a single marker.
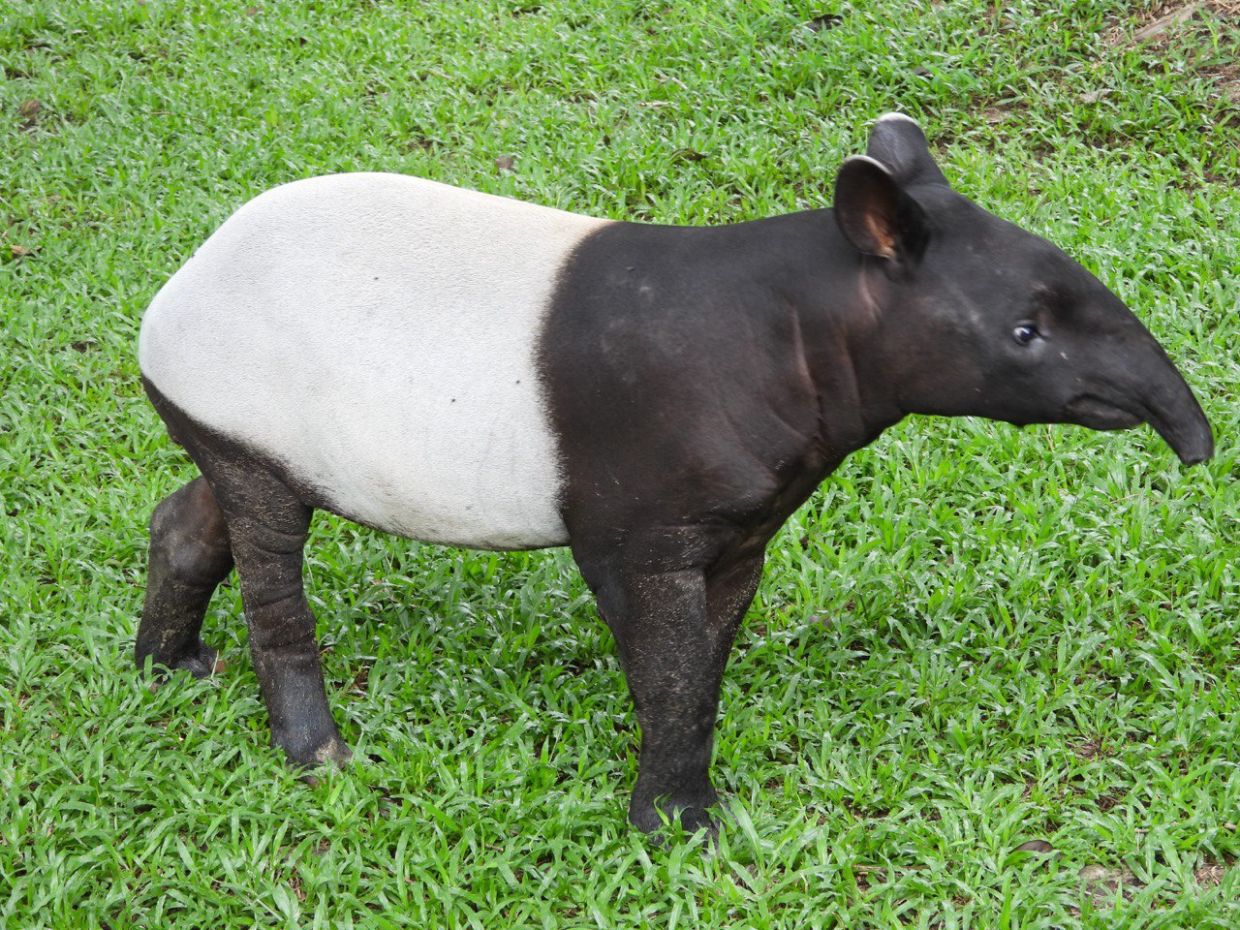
(674, 630)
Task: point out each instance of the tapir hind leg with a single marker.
(267, 526)
(266, 523)
(189, 557)
(674, 631)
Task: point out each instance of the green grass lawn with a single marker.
(972, 638)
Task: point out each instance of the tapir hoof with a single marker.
(307, 754)
(199, 659)
(692, 815)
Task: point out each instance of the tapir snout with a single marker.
(1137, 383)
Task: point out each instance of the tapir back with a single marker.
(376, 335)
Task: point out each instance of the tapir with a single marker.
(470, 370)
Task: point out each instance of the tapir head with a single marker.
(975, 316)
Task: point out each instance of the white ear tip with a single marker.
(873, 161)
(891, 117)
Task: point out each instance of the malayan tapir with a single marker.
(470, 370)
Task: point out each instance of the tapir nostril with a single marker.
(1198, 451)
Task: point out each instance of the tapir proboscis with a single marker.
(467, 369)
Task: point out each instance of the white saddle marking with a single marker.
(376, 334)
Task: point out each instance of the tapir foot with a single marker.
(692, 813)
(199, 659)
(189, 557)
(301, 721)
(306, 753)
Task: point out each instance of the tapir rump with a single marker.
(467, 369)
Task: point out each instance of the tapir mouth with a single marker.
(1096, 413)
(1189, 436)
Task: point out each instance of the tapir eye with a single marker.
(1025, 333)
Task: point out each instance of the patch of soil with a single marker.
(1160, 22)
(1209, 874)
(1089, 749)
(1101, 883)
(1226, 79)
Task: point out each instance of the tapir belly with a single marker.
(377, 335)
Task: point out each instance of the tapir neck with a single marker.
(837, 304)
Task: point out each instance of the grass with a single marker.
(971, 639)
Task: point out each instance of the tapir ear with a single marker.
(898, 142)
(876, 216)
